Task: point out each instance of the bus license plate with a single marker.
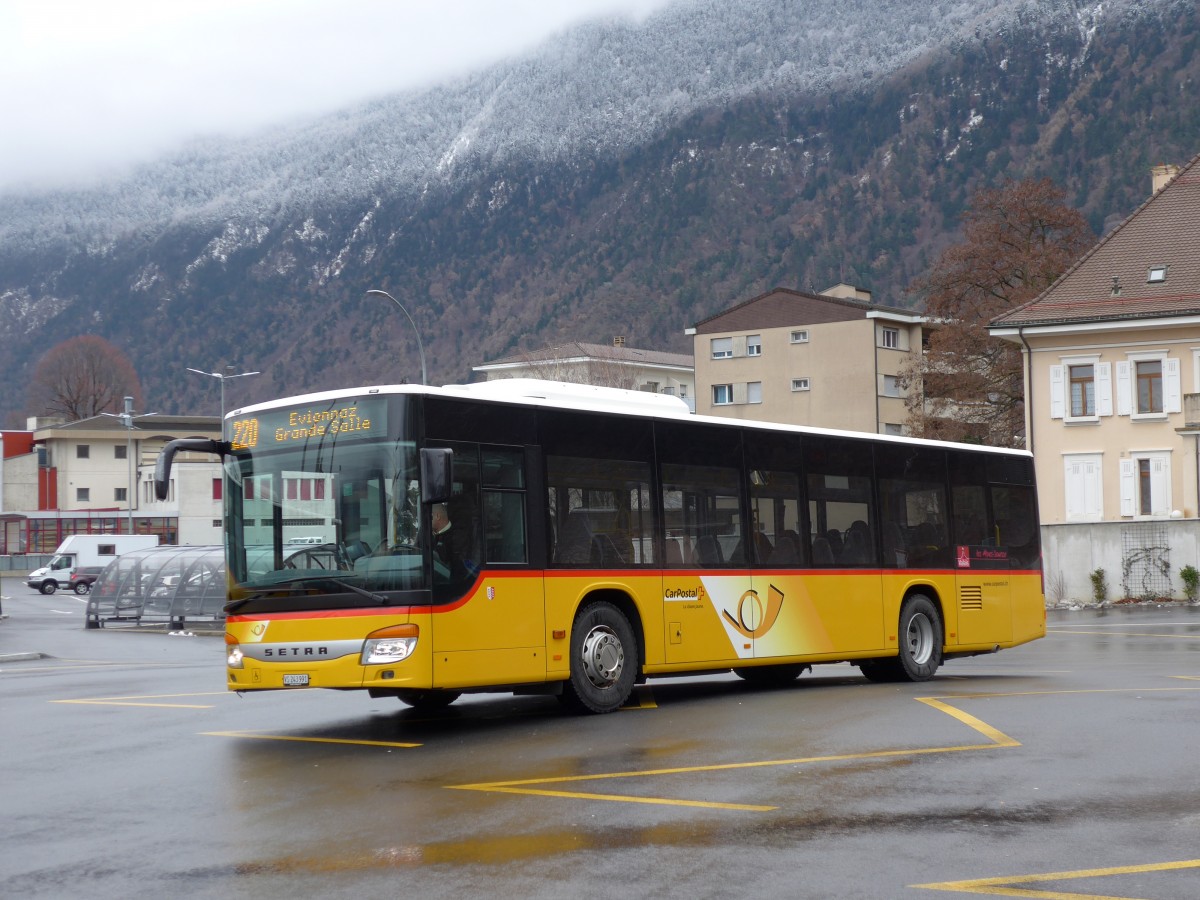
(295, 680)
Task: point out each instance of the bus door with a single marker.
(488, 623)
(982, 584)
(706, 581)
(780, 614)
(843, 588)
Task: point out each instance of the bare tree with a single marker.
(82, 377)
(967, 385)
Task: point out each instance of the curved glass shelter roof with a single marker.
(168, 584)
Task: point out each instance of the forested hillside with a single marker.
(623, 180)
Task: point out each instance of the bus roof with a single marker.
(594, 398)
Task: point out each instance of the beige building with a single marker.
(94, 477)
(614, 365)
(832, 359)
(1112, 374)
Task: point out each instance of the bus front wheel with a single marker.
(604, 660)
(427, 701)
(920, 634)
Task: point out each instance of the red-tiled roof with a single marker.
(1111, 281)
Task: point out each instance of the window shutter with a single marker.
(1057, 393)
(1128, 480)
(1172, 398)
(1124, 391)
(1104, 405)
(1160, 486)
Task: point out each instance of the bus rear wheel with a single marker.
(920, 634)
(427, 701)
(604, 660)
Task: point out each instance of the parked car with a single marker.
(82, 578)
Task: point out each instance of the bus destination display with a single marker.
(272, 428)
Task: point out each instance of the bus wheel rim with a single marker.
(920, 639)
(603, 656)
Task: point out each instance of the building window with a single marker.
(1083, 390)
(889, 338)
(722, 348)
(1084, 487)
(891, 385)
(216, 523)
(891, 428)
(1148, 386)
(119, 451)
(1146, 485)
(800, 384)
(83, 495)
(800, 337)
(1156, 274)
(1149, 375)
(83, 451)
(722, 394)
(754, 392)
(754, 345)
(119, 494)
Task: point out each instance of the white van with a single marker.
(85, 550)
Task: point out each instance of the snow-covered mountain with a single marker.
(624, 177)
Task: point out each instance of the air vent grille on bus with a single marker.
(970, 597)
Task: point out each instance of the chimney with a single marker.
(1161, 175)
(619, 340)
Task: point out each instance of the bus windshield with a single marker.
(321, 517)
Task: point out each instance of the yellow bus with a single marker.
(538, 537)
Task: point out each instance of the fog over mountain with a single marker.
(625, 178)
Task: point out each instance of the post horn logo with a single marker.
(752, 620)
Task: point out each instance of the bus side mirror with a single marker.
(437, 474)
(162, 466)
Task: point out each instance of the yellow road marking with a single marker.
(527, 786)
(135, 701)
(307, 740)
(645, 699)
(1190, 636)
(1004, 886)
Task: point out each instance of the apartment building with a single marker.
(832, 359)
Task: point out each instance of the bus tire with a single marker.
(49, 587)
(920, 634)
(771, 676)
(604, 660)
(427, 701)
(920, 656)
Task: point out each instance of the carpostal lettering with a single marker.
(292, 652)
(683, 593)
(319, 423)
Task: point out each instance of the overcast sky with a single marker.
(87, 86)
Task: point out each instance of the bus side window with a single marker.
(504, 505)
(599, 512)
(840, 503)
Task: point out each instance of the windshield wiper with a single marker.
(235, 605)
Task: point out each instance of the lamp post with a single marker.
(126, 419)
(221, 376)
(420, 347)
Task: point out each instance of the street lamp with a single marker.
(420, 348)
(126, 419)
(222, 376)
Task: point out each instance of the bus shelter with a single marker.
(167, 584)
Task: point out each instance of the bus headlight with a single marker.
(233, 653)
(390, 645)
